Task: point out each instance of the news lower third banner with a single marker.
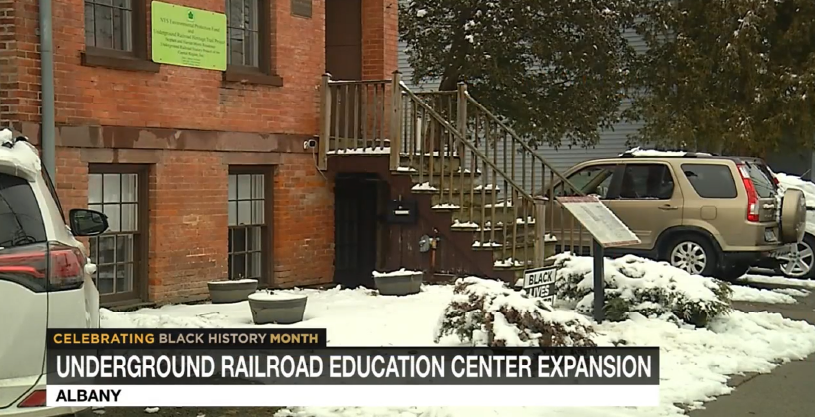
(293, 367)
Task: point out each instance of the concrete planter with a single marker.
(223, 292)
(400, 282)
(268, 308)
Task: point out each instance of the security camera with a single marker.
(310, 144)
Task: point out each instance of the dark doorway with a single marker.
(343, 39)
(355, 221)
(343, 60)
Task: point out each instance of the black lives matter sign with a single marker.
(540, 283)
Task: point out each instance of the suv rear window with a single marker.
(20, 220)
(765, 188)
(711, 180)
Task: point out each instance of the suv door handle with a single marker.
(668, 207)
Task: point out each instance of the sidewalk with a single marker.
(786, 392)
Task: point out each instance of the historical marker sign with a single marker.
(188, 37)
(606, 228)
(540, 283)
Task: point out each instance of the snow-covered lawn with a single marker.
(694, 363)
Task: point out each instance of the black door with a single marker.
(355, 219)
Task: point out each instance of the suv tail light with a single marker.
(29, 266)
(35, 399)
(752, 195)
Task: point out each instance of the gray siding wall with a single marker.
(612, 142)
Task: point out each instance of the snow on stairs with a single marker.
(358, 146)
(477, 209)
(460, 160)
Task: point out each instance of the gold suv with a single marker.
(708, 215)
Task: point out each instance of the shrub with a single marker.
(489, 313)
(653, 289)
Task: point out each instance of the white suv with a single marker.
(46, 278)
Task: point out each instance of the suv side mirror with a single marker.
(87, 222)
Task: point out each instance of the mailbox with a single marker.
(402, 212)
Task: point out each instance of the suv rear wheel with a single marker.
(800, 261)
(692, 254)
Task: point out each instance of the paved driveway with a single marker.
(786, 392)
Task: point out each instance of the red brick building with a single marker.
(202, 173)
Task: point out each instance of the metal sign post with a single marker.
(607, 230)
(599, 281)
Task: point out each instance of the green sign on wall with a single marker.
(188, 37)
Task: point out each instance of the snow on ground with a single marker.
(792, 292)
(789, 282)
(786, 181)
(694, 363)
(755, 295)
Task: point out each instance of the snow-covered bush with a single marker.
(489, 313)
(634, 284)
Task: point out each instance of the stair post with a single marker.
(325, 122)
(461, 115)
(396, 119)
(540, 231)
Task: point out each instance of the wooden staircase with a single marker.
(484, 185)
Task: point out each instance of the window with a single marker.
(243, 30)
(593, 180)
(249, 36)
(20, 220)
(647, 182)
(117, 191)
(765, 188)
(711, 180)
(109, 24)
(248, 230)
(115, 34)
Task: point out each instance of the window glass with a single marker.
(647, 182)
(765, 188)
(115, 252)
(711, 180)
(109, 24)
(592, 180)
(243, 32)
(246, 209)
(20, 220)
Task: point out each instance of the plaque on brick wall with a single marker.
(301, 8)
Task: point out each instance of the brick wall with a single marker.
(188, 188)
(304, 223)
(380, 34)
(177, 97)
(188, 223)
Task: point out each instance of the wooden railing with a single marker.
(355, 117)
(514, 156)
(474, 164)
